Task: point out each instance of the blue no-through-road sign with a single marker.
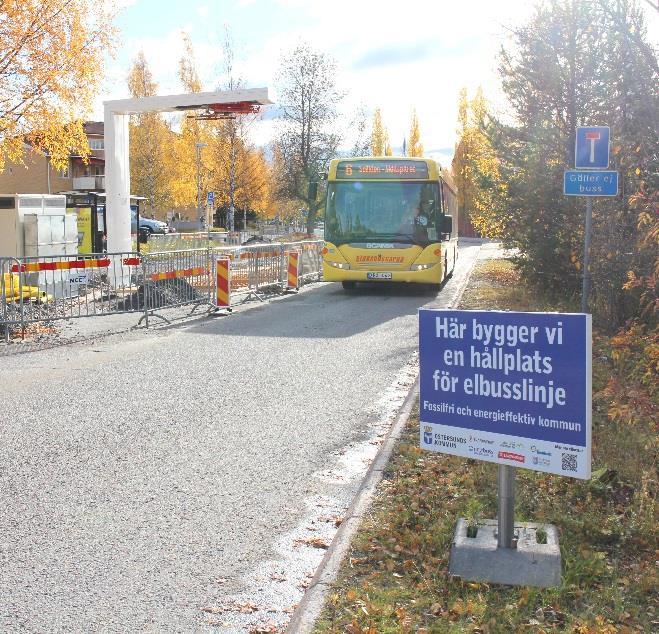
(591, 148)
(587, 183)
(210, 198)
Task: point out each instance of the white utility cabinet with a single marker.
(13, 209)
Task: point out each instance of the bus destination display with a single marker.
(378, 169)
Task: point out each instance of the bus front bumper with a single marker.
(432, 275)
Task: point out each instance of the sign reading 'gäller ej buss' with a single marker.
(507, 387)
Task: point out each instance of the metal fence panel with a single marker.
(47, 288)
(177, 278)
(43, 289)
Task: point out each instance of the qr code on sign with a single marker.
(569, 462)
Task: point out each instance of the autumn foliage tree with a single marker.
(51, 65)
(379, 135)
(150, 142)
(189, 164)
(198, 155)
(415, 147)
(580, 64)
(476, 168)
(239, 172)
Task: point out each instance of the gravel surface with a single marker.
(174, 480)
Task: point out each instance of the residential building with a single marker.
(37, 176)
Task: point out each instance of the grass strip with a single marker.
(396, 576)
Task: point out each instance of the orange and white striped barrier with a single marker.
(65, 265)
(173, 275)
(293, 279)
(223, 276)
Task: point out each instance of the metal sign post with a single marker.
(506, 537)
(210, 203)
(585, 287)
(591, 153)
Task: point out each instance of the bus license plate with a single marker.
(378, 276)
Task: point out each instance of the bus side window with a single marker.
(440, 210)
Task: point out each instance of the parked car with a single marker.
(148, 225)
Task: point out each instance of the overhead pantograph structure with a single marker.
(210, 105)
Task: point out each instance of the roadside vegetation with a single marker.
(571, 64)
(395, 578)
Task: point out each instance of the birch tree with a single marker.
(150, 142)
(51, 66)
(308, 134)
(189, 160)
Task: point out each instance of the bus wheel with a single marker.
(349, 286)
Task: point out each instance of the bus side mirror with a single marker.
(447, 225)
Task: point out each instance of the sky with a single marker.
(392, 55)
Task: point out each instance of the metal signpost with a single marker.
(513, 389)
(591, 158)
(210, 204)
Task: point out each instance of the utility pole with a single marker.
(198, 148)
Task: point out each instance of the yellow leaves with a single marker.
(379, 135)
(53, 54)
(524, 598)
(414, 147)
(600, 625)
(457, 608)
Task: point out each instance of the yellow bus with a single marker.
(389, 219)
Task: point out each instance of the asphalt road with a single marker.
(149, 476)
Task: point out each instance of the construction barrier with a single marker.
(177, 278)
(35, 290)
(223, 282)
(293, 282)
(45, 289)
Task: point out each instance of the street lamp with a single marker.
(198, 148)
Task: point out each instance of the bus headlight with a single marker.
(420, 267)
(338, 265)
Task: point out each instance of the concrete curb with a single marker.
(311, 605)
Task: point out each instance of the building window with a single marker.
(64, 173)
(96, 144)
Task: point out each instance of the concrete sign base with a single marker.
(529, 564)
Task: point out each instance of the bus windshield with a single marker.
(402, 212)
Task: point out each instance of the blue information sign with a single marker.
(507, 387)
(587, 183)
(591, 149)
(210, 198)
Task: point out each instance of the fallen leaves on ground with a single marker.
(314, 542)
